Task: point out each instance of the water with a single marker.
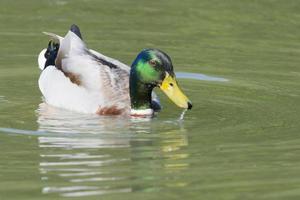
(236, 60)
(197, 76)
(182, 115)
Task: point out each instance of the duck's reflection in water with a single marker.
(83, 155)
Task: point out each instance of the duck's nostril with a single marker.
(190, 105)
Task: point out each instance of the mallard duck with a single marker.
(82, 80)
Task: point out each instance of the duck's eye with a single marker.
(152, 63)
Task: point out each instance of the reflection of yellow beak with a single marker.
(170, 87)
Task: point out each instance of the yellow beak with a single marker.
(170, 87)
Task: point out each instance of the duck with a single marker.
(80, 79)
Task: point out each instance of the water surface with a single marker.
(237, 61)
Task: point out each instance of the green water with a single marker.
(240, 140)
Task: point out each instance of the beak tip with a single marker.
(189, 106)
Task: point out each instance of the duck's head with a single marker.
(153, 68)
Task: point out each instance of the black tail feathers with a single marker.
(75, 29)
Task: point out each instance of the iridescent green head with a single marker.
(153, 68)
(150, 66)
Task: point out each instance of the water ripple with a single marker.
(97, 192)
(104, 165)
(201, 77)
(2, 99)
(68, 189)
(78, 143)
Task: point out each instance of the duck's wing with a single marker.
(118, 63)
(92, 70)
